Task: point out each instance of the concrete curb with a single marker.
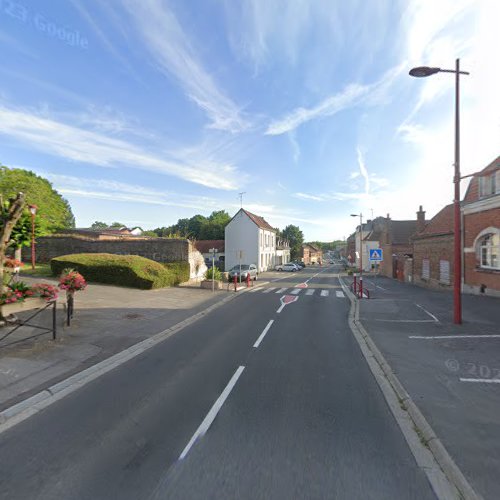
(459, 487)
(32, 405)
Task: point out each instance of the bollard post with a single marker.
(248, 280)
(361, 287)
(235, 286)
(355, 284)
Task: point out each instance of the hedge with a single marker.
(124, 270)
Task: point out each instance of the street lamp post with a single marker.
(33, 209)
(360, 252)
(423, 71)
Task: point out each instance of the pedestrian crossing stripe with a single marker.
(309, 292)
(268, 290)
(252, 290)
(340, 294)
(325, 293)
(295, 291)
(298, 291)
(281, 290)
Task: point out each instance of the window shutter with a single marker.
(426, 269)
(444, 272)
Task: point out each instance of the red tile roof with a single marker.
(260, 221)
(204, 246)
(441, 223)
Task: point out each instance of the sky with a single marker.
(144, 112)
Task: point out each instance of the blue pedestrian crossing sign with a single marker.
(376, 255)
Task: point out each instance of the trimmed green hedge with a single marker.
(123, 270)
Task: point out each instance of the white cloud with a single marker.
(104, 189)
(352, 95)
(363, 171)
(73, 143)
(305, 196)
(175, 55)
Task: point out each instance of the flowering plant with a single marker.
(16, 292)
(45, 291)
(72, 281)
(12, 263)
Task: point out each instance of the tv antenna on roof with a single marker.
(241, 198)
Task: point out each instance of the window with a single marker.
(444, 272)
(426, 269)
(489, 251)
(489, 184)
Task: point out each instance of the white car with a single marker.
(287, 267)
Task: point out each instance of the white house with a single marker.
(250, 240)
(282, 252)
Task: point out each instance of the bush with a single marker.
(123, 270)
(217, 275)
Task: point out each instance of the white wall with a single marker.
(241, 234)
(267, 250)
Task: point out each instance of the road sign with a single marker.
(376, 255)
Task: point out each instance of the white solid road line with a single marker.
(267, 290)
(282, 290)
(339, 294)
(482, 380)
(207, 421)
(324, 293)
(444, 337)
(310, 291)
(426, 311)
(263, 334)
(296, 291)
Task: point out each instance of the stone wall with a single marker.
(162, 250)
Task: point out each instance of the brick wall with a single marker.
(434, 248)
(157, 249)
(477, 280)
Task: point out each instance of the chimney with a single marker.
(388, 216)
(420, 220)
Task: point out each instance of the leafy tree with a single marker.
(149, 233)
(53, 211)
(195, 226)
(117, 225)
(213, 228)
(98, 226)
(296, 238)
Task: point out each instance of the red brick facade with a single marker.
(433, 250)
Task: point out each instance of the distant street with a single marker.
(266, 397)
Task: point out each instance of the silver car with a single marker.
(245, 270)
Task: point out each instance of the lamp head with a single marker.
(423, 71)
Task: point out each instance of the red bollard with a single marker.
(248, 280)
(355, 285)
(235, 286)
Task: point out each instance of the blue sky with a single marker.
(150, 111)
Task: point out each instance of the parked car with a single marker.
(298, 263)
(245, 269)
(290, 267)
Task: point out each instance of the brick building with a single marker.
(311, 254)
(481, 232)
(433, 251)
(395, 241)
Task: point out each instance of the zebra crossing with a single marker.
(297, 291)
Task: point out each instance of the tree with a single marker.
(99, 226)
(213, 228)
(53, 211)
(296, 238)
(195, 225)
(10, 214)
(117, 225)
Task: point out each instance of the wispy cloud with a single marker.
(104, 189)
(74, 143)
(363, 171)
(348, 97)
(305, 196)
(173, 51)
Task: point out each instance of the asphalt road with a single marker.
(297, 416)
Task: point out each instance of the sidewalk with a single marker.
(107, 320)
(452, 372)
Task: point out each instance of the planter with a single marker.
(25, 305)
(208, 284)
